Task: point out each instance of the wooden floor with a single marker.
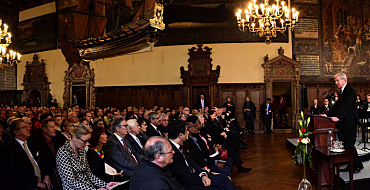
(271, 163)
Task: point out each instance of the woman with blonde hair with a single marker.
(72, 164)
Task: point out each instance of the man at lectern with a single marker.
(345, 115)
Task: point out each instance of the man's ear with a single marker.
(158, 157)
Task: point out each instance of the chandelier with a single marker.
(8, 58)
(266, 20)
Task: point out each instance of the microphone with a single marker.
(324, 93)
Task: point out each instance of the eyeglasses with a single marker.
(170, 152)
(165, 120)
(158, 118)
(122, 125)
(84, 141)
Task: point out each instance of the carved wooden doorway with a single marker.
(199, 78)
(79, 81)
(282, 76)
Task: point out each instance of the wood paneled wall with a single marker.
(172, 96)
(148, 96)
(237, 93)
(6, 97)
(317, 90)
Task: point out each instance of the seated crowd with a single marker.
(130, 148)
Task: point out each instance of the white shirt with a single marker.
(136, 139)
(156, 128)
(178, 147)
(21, 143)
(120, 140)
(343, 88)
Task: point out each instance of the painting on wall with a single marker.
(37, 34)
(346, 42)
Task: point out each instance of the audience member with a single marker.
(72, 165)
(155, 121)
(46, 147)
(266, 112)
(120, 155)
(21, 166)
(315, 110)
(186, 171)
(96, 157)
(133, 131)
(249, 110)
(152, 171)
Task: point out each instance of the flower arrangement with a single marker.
(304, 145)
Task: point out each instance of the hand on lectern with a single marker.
(335, 119)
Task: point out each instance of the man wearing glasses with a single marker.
(153, 127)
(151, 172)
(21, 168)
(119, 153)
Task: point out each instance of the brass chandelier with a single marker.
(8, 58)
(266, 20)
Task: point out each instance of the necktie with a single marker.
(35, 166)
(138, 142)
(128, 151)
(50, 143)
(182, 154)
(158, 132)
(268, 105)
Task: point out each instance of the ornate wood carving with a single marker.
(35, 79)
(199, 74)
(82, 75)
(283, 69)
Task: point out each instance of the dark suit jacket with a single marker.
(214, 129)
(150, 131)
(134, 144)
(252, 107)
(345, 110)
(18, 169)
(149, 176)
(323, 109)
(118, 158)
(97, 166)
(198, 104)
(264, 112)
(47, 160)
(199, 154)
(182, 172)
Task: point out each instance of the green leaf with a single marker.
(302, 115)
(308, 121)
(300, 133)
(300, 123)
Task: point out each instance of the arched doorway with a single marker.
(282, 76)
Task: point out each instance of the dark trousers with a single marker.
(349, 140)
(250, 122)
(267, 123)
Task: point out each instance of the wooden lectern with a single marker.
(320, 127)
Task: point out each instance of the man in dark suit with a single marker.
(266, 112)
(46, 147)
(249, 110)
(345, 115)
(201, 103)
(133, 131)
(152, 171)
(185, 170)
(153, 126)
(119, 153)
(326, 107)
(21, 168)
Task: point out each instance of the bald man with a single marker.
(152, 171)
